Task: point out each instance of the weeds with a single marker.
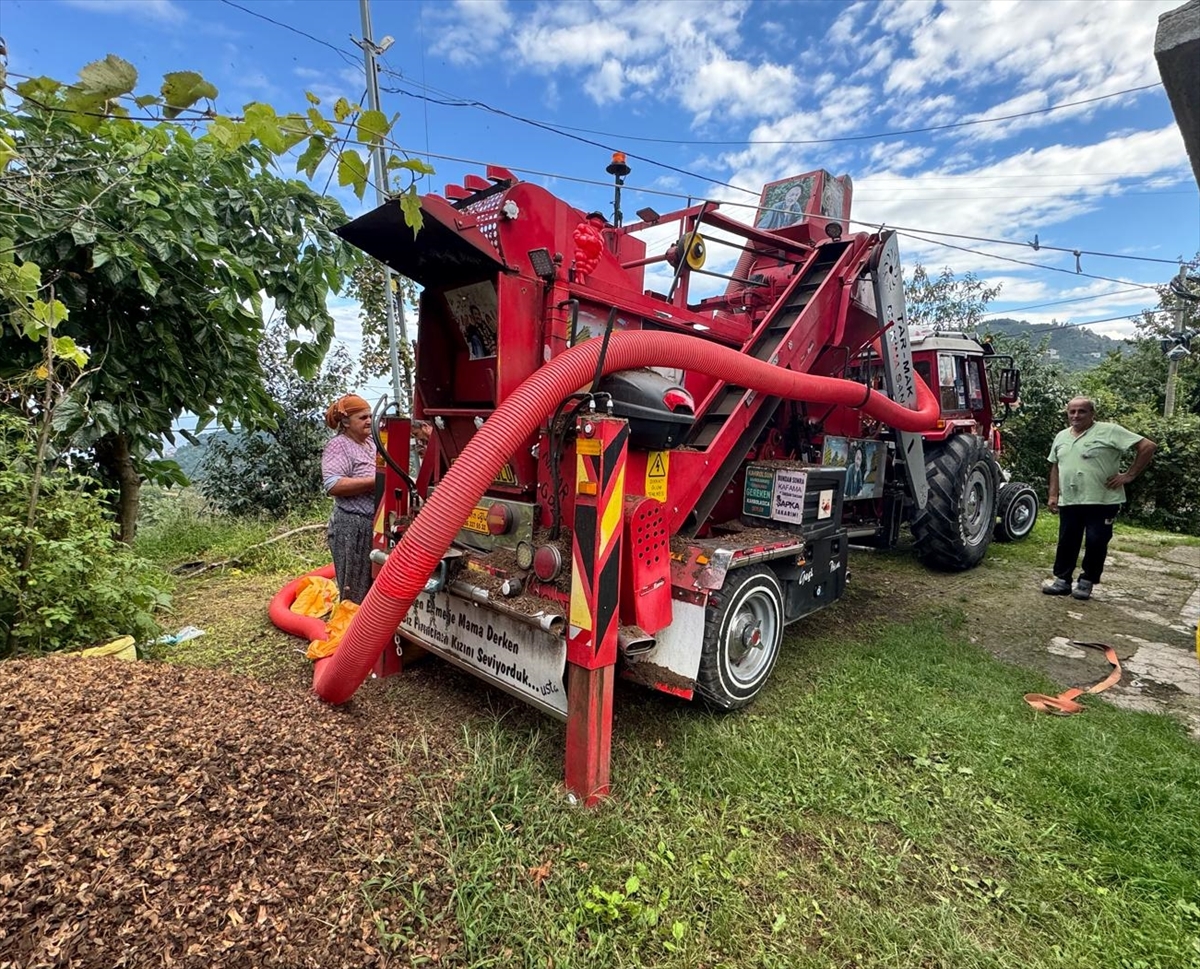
(181, 528)
(887, 802)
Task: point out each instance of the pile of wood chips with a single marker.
(159, 815)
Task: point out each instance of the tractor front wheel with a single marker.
(743, 630)
(1016, 511)
(955, 529)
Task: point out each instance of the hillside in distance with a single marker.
(1074, 347)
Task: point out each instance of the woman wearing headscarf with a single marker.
(348, 474)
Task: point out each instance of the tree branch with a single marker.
(189, 570)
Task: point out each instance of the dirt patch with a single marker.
(157, 815)
(1146, 609)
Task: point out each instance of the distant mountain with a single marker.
(1075, 347)
(189, 456)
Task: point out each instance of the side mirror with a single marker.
(1010, 385)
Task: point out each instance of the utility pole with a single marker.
(1179, 338)
(370, 51)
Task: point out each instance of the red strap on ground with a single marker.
(1064, 704)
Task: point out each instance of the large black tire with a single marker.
(743, 630)
(1016, 511)
(955, 529)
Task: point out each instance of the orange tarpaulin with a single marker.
(316, 597)
(338, 623)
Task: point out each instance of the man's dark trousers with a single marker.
(1074, 523)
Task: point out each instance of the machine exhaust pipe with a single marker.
(404, 575)
(634, 640)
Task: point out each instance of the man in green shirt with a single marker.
(1087, 488)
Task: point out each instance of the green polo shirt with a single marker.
(1087, 461)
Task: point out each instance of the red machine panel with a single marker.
(646, 577)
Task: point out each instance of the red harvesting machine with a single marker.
(622, 481)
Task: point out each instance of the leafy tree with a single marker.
(947, 302)
(1139, 377)
(1167, 494)
(1028, 431)
(274, 470)
(162, 240)
(367, 287)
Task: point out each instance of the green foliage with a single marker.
(161, 243)
(1139, 377)
(1075, 348)
(277, 469)
(366, 286)
(81, 586)
(180, 527)
(1167, 494)
(947, 302)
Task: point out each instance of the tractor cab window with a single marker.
(974, 384)
(952, 382)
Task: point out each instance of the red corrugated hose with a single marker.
(280, 609)
(411, 563)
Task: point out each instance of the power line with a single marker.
(1079, 299)
(295, 30)
(1036, 246)
(903, 229)
(1059, 326)
(1021, 262)
(564, 132)
(876, 136)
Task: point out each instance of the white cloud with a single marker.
(1068, 47)
(607, 83)
(345, 83)
(470, 31)
(163, 10)
(882, 66)
(684, 50)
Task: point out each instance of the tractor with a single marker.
(629, 479)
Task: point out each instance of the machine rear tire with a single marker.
(955, 529)
(1016, 511)
(733, 669)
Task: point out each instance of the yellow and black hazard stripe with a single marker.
(596, 552)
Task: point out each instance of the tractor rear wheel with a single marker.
(1016, 511)
(743, 629)
(955, 529)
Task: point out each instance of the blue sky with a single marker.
(738, 93)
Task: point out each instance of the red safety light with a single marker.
(499, 519)
(547, 563)
(676, 399)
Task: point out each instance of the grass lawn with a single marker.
(889, 801)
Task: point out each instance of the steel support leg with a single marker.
(600, 449)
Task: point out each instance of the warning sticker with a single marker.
(506, 476)
(657, 466)
(477, 521)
